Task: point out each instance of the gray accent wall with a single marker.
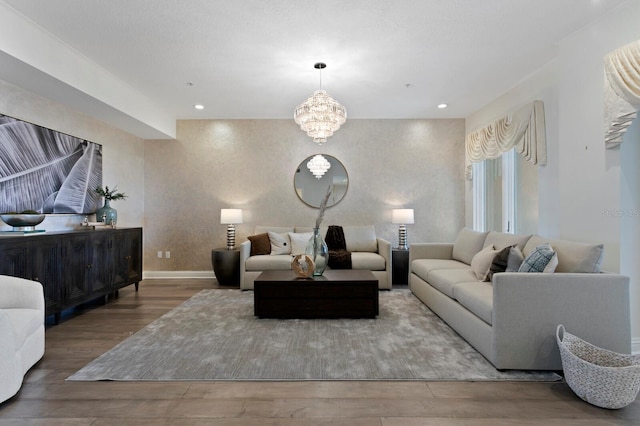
(250, 164)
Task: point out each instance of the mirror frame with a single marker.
(303, 166)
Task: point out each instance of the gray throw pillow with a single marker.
(499, 263)
(514, 260)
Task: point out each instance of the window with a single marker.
(505, 195)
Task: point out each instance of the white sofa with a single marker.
(21, 331)
(367, 253)
(512, 319)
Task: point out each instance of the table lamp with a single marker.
(402, 217)
(230, 217)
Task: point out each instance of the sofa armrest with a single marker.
(245, 252)
(384, 250)
(527, 307)
(430, 251)
(20, 293)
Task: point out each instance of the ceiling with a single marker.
(254, 58)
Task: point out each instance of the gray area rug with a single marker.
(215, 336)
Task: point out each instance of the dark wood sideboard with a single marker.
(74, 267)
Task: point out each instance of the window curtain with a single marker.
(621, 92)
(524, 129)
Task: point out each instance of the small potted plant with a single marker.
(106, 213)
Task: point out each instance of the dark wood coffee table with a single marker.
(336, 294)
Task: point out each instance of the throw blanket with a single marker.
(339, 257)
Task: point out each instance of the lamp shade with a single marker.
(230, 216)
(402, 216)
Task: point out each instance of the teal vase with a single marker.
(317, 249)
(107, 214)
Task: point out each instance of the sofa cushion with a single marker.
(467, 244)
(422, 267)
(361, 238)
(281, 262)
(446, 279)
(541, 259)
(481, 262)
(572, 256)
(476, 297)
(500, 240)
(299, 242)
(367, 261)
(260, 244)
(280, 243)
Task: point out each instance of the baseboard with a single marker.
(635, 345)
(151, 275)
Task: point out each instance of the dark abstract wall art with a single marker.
(47, 171)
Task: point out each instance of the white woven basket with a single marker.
(603, 378)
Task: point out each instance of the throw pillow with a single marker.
(539, 259)
(499, 263)
(515, 259)
(482, 261)
(260, 244)
(299, 242)
(552, 265)
(280, 243)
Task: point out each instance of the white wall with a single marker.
(540, 86)
(122, 153)
(582, 181)
(629, 214)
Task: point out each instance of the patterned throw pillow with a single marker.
(542, 259)
(260, 244)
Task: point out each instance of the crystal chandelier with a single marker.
(318, 166)
(320, 115)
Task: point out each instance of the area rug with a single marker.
(215, 336)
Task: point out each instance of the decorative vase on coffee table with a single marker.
(319, 252)
(107, 214)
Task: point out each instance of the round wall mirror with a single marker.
(315, 174)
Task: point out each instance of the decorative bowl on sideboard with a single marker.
(22, 221)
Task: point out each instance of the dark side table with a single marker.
(399, 266)
(226, 266)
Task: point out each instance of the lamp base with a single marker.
(402, 237)
(231, 237)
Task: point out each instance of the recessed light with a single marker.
(441, 106)
(198, 106)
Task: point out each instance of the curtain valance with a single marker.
(524, 129)
(621, 91)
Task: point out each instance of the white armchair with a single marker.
(21, 331)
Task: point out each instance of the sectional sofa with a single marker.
(368, 252)
(511, 319)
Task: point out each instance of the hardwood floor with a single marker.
(82, 335)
